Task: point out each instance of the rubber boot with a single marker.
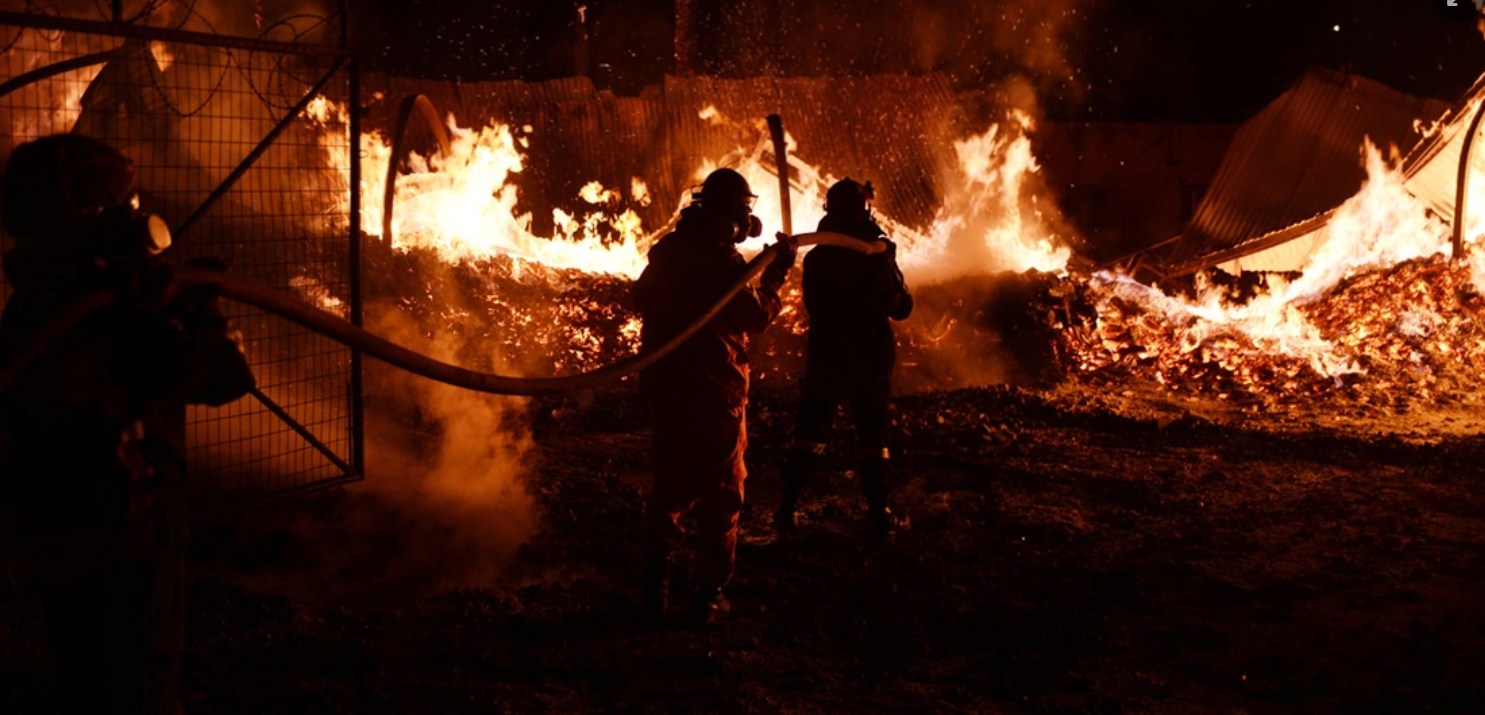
(876, 477)
(656, 600)
(712, 607)
(797, 470)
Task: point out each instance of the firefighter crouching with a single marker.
(698, 393)
(95, 477)
(851, 298)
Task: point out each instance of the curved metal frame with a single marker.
(1461, 187)
(425, 109)
(54, 69)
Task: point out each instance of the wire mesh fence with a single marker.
(244, 150)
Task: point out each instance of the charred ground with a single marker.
(1072, 550)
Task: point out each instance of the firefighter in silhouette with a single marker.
(851, 298)
(97, 424)
(698, 393)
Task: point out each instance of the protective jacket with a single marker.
(98, 423)
(96, 477)
(688, 270)
(851, 298)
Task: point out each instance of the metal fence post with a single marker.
(358, 407)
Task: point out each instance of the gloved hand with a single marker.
(143, 282)
(196, 306)
(891, 252)
(156, 284)
(207, 293)
(784, 259)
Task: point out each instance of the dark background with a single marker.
(1101, 60)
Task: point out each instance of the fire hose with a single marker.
(338, 329)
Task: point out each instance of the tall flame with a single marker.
(991, 221)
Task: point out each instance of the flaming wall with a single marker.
(897, 130)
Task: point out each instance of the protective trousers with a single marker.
(118, 638)
(698, 460)
(869, 397)
(117, 627)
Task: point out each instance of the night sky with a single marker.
(1109, 60)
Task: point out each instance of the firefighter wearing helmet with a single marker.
(95, 478)
(851, 299)
(698, 393)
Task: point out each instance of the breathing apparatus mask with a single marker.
(73, 197)
(127, 232)
(728, 203)
(737, 222)
(753, 228)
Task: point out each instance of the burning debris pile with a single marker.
(1378, 315)
(1410, 331)
(543, 321)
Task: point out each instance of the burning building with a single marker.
(1290, 166)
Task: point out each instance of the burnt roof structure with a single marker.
(1431, 170)
(1290, 165)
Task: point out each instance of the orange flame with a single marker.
(463, 206)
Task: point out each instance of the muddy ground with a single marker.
(1071, 551)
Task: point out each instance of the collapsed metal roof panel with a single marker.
(1295, 160)
(1432, 168)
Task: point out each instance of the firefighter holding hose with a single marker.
(95, 477)
(851, 298)
(698, 393)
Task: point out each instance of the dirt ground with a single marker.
(1077, 550)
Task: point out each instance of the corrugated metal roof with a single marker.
(1295, 160)
(1432, 168)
